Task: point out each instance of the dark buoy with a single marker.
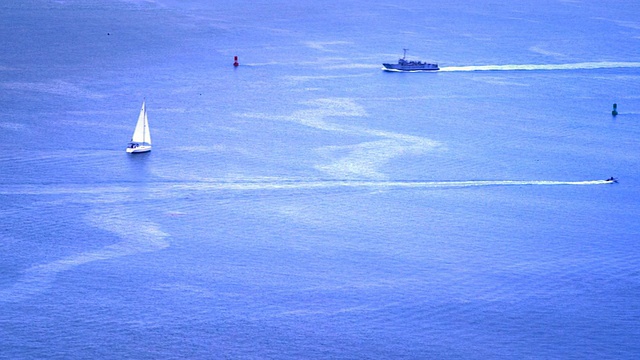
(235, 61)
(615, 110)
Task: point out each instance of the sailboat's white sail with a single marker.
(141, 139)
(141, 133)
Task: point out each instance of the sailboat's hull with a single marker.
(139, 149)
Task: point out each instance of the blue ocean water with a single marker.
(307, 204)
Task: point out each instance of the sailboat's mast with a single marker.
(144, 125)
(145, 122)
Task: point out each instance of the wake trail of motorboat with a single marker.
(281, 184)
(324, 184)
(573, 66)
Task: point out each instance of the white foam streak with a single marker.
(324, 45)
(361, 160)
(574, 66)
(61, 88)
(137, 237)
(12, 126)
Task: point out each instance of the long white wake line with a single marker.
(274, 184)
(573, 66)
(302, 184)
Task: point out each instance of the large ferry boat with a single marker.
(410, 65)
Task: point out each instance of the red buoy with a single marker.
(235, 61)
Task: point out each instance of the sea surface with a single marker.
(307, 204)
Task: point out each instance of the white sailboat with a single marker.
(141, 139)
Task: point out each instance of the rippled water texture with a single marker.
(307, 204)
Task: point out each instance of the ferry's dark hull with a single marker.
(423, 67)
